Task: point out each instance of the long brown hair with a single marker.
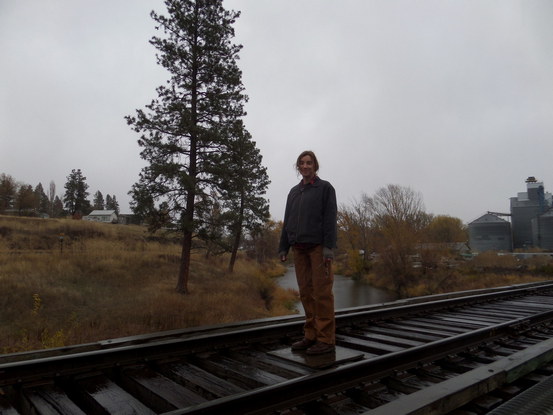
(313, 157)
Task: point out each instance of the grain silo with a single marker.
(490, 233)
(525, 207)
(542, 230)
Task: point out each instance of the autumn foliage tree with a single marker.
(445, 229)
(399, 218)
(390, 235)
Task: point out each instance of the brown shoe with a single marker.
(303, 344)
(320, 348)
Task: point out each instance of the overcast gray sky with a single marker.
(452, 98)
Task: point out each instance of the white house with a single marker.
(106, 216)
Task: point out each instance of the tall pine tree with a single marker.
(76, 194)
(112, 204)
(42, 204)
(98, 202)
(25, 200)
(8, 192)
(184, 127)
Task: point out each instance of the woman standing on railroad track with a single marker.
(310, 229)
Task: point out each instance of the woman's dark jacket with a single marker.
(310, 216)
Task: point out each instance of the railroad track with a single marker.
(463, 353)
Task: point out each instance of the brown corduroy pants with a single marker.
(315, 280)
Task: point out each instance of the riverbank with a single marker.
(488, 270)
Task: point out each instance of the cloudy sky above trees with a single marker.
(452, 98)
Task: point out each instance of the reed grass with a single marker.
(111, 281)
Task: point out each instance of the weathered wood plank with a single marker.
(339, 356)
(385, 339)
(288, 370)
(504, 310)
(411, 335)
(48, 400)
(240, 373)
(433, 323)
(104, 396)
(201, 381)
(157, 391)
(366, 345)
(461, 321)
(475, 318)
(407, 328)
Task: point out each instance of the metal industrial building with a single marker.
(525, 207)
(490, 233)
(531, 223)
(542, 230)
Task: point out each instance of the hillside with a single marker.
(69, 282)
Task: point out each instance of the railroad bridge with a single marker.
(467, 353)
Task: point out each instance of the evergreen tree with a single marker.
(98, 201)
(212, 229)
(244, 187)
(183, 128)
(76, 195)
(115, 204)
(112, 204)
(42, 204)
(8, 192)
(25, 200)
(57, 207)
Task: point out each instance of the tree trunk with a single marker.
(184, 269)
(237, 235)
(188, 223)
(188, 226)
(235, 245)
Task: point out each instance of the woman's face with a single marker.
(306, 168)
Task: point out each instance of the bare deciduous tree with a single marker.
(398, 220)
(355, 232)
(51, 196)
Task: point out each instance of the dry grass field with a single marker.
(107, 281)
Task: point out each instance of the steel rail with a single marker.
(309, 387)
(449, 395)
(276, 334)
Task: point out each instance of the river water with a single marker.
(347, 292)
